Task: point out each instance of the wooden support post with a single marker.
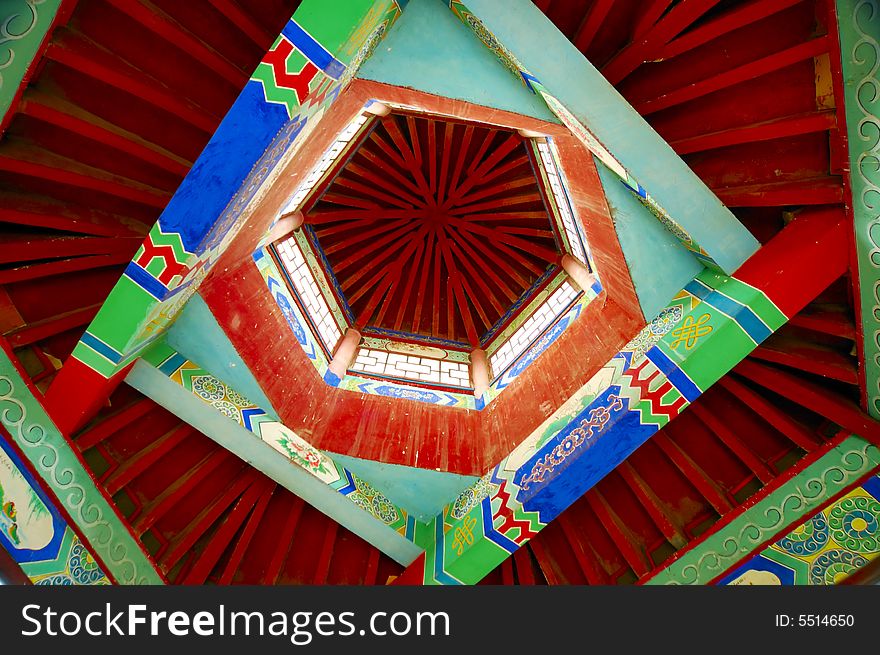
(480, 371)
(346, 350)
(578, 273)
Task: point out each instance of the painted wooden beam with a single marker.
(858, 24)
(206, 211)
(63, 471)
(713, 324)
(588, 104)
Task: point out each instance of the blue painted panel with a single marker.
(421, 492)
(658, 264)
(430, 50)
(197, 336)
(588, 463)
(240, 140)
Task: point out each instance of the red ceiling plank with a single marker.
(167, 28)
(586, 557)
(245, 21)
(736, 445)
(494, 235)
(489, 294)
(771, 413)
(648, 17)
(113, 424)
(691, 470)
(355, 239)
(382, 182)
(484, 171)
(629, 543)
(809, 357)
(84, 56)
(776, 128)
(818, 399)
(222, 538)
(146, 458)
(203, 521)
(67, 116)
(750, 71)
(167, 500)
(431, 154)
(814, 191)
(463, 149)
(322, 563)
(49, 327)
(283, 542)
(406, 294)
(836, 322)
(646, 49)
(373, 192)
(35, 212)
(728, 22)
(591, 23)
(524, 572)
(371, 572)
(487, 260)
(61, 267)
(31, 248)
(54, 169)
(364, 251)
(435, 315)
(442, 189)
(244, 540)
(654, 506)
(423, 285)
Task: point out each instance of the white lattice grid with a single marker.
(325, 163)
(553, 179)
(530, 331)
(309, 294)
(410, 367)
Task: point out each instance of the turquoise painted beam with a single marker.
(249, 433)
(521, 35)
(859, 26)
(429, 50)
(24, 27)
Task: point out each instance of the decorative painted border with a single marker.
(709, 327)
(62, 561)
(791, 502)
(220, 397)
(827, 548)
(859, 27)
(59, 467)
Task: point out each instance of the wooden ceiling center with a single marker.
(434, 227)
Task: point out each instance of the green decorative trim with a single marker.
(795, 500)
(23, 26)
(859, 24)
(61, 470)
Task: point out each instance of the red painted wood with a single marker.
(816, 398)
(247, 535)
(693, 472)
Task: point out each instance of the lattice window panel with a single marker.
(530, 331)
(411, 367)
(329, 157)
(308, 292)
(554, 180)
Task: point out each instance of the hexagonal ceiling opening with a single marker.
(434, 228)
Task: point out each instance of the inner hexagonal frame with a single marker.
(475, 194)
(464, 442)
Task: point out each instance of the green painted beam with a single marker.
(64, 474)
(24, 25)
(859, 26)
(791, 502)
